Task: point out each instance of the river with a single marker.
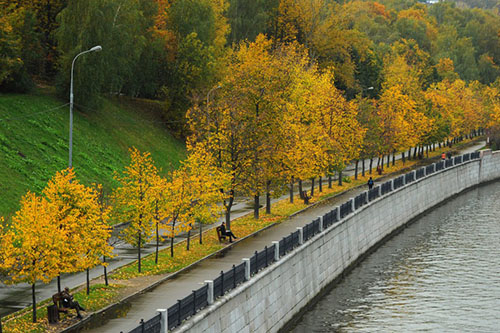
(440, 274)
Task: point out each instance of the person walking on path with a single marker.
(370, 183)
(443, 156)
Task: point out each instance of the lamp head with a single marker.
(97, 48)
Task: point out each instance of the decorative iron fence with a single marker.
(345, 209)
(373, 193)
(386, 187)
(398, 182)
(151, 326)
(360, 200)
(409, 177)
(429, 169)
(420, 173)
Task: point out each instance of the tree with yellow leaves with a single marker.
(135, 199)
(32, 246)
(76, 210)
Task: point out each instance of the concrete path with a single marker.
(167, 294)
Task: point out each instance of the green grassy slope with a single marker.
(34, 143)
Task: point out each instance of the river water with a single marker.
(440, 274)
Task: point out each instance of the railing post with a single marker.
(210, 291)
(404, 179)
(321, 228)
(247, 268)
(301, 235)
(338, 213)
(234, 276)
(353, 208)
(392, 184)
(380, 190)
(276, 251)
(221, 283)
(142, 325)
(163, 320)
(265, 252)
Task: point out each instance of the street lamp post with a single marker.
(97, 48)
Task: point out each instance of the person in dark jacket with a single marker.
(227, 233)
(370, 183)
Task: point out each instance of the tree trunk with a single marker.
(427, 151)
(409, 154)
(88, 281)
(106, 282)
(340, 178)
(172, 244)
(201, 232)
(363, 168)
(439, 145)
(356, 170)
(415, 153)
(256, 206)
(394, 158)
(320, 184)
(187, 240)
(157, 232)
(59, 283)
(381, 160)
(371, 164)
(312, 186)
(268, 197)
(388, 160)
(403, 157)
(301, 194)
(139, 251)
(228, 206)
(291, 190)
(329, 181)
(33, 296)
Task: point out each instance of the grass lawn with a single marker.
(34, 143)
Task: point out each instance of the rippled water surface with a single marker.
(441, 274)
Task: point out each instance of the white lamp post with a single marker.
(97, 48)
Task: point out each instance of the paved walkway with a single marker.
(167, 294)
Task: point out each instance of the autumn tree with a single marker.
(135, 201)
(31, 246)
(76, 210)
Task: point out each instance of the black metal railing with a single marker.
(420, 173)
(429, 169)
(151, 326)
(345, 209)
(329, 218)
(398, 182)
(230, 279)
(386, 187)
(360, 200)
(439, 165)
(409, 177)
(311, 229)
(373, 193)
(288, 243)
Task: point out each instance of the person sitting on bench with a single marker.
(67, 302)
(227, 233)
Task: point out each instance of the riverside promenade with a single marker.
(144, 306)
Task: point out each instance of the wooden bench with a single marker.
(219, 234)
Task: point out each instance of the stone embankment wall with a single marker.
(271, 298)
